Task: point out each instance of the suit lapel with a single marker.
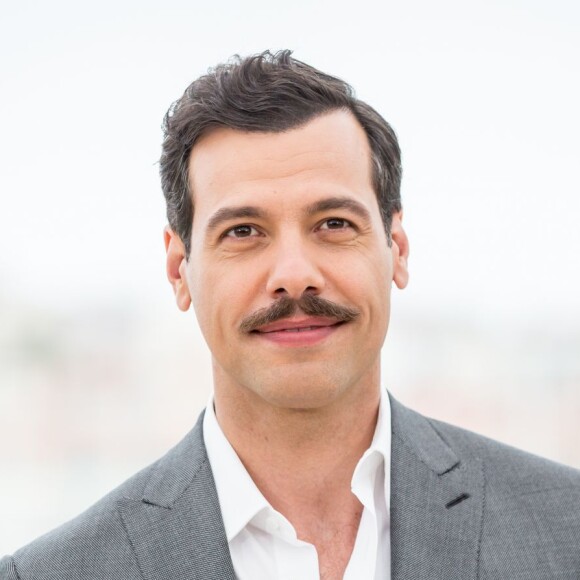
(176, 529)
(177, 532)
(436, 503)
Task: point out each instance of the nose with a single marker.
(294, 270)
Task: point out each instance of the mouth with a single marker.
(299, 329)
(298, 332)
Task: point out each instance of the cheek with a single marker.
(222, 296)
(367, 275)
(372, 282)
(205, 297)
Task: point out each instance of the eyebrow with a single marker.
(231, 213)
(347, 203)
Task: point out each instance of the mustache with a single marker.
(309, 304)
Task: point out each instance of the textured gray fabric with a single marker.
(162, 524)
(7, 569)
(462, 507)
(510, 515)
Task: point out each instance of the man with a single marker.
(285, 234)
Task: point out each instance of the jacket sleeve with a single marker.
(8, 569)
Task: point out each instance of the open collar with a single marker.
(177, 531)
(240, 500)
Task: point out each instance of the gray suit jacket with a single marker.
(463, 507)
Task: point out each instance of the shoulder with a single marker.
(86, 542)
(523, 506)
(530, 515)
(94, 540)
(508, 468)
(95, 543)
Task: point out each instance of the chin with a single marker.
(301, 391)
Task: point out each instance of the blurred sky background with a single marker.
(99, 371)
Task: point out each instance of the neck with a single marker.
(302, 460)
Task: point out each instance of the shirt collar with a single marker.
(241, 501)
(377, 456)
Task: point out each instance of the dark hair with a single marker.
(270, 93)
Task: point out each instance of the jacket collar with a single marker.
(437, 503)
(176, 528)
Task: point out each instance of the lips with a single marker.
(298, 332)
(297, 325)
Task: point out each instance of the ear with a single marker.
(400, 249)
(176, 265)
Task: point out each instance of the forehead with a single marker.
(329, 155)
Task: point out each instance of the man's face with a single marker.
(278, 216)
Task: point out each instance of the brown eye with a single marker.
(241, 232)
(334, 224)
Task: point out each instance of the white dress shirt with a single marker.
(263, 543)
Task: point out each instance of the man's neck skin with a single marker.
(303, 460)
